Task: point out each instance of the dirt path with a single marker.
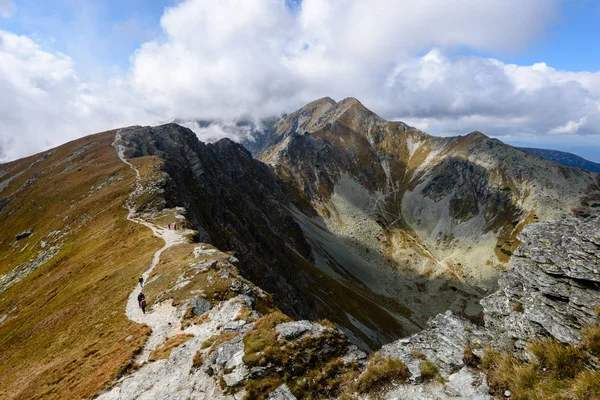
(162, 318)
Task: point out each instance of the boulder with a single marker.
(294, 329)
(23, 234)
(443, 343)
(283, 392)
(200, 306)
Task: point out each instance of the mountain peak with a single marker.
(323, 102)
(477, 134)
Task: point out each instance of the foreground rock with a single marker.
(552, 289)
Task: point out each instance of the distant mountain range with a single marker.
(564, 158)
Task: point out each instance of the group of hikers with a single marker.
(141, 297)
(183, 225)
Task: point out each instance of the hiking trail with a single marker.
(162, 318)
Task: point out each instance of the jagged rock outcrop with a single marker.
(553, 288)
(412, 223)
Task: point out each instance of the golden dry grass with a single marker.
(559, 371)
(66, 334)
(382, 370)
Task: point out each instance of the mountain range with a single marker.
(330, 212)
(564, 158)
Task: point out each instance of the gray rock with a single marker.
(354, 354)
(237, 376)
(200, 306)
(282, 393)
(552, 289)
(22, 270)
(23, 234)
(442, 342)
(469, 384)
(233, 326)
(294, 329)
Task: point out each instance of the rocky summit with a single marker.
(333, 255)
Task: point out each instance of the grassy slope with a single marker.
(65, 333)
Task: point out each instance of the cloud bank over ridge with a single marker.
(233, 59)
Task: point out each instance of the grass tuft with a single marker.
(428, 370)
(382, 370)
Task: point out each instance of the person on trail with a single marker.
(142, 301)
(175, 227)
(169, 226)
(141, 281)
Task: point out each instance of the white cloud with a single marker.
(7, 8)
(232, 59)
(44, 103)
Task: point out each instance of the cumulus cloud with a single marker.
(246, 59)
(454, 95)
(7, 8)
(44, 103)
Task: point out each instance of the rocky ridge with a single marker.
(550, 292)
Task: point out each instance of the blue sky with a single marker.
(99, 35)
(108, 31)
(525, 72)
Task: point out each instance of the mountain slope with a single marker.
(564, 158)
(63, 287)
(371, 224)
(393, 198)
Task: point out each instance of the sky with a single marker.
(525, 72)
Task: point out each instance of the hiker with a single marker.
(169, 226)
(141, 281)
(175, 227)
(142, 301)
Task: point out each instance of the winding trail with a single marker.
(163, 318)
(172, 378)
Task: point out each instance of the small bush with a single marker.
(507, 373)
(197, 361)
(518, 307)
(561, 372)
(261, 346)
(259, 389)
(164, 351)
(428, 370)
(381, 371)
